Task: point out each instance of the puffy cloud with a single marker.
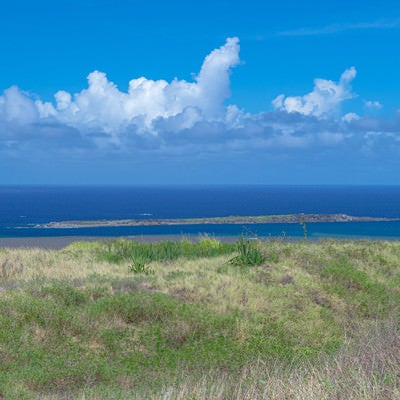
(350, 117)
(373, 104)
(17, 107)
(103, 107)
(323, 100)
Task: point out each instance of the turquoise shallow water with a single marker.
(21, 207)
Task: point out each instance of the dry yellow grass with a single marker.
(29, 264)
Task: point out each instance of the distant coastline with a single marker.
(234, 220)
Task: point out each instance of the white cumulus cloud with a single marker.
(373, 104)
(16, 107)
(103, 107)
(323, 100)
(350, 117)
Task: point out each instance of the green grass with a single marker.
(119, 250)
(310, 320)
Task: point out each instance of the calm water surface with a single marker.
(22, 207)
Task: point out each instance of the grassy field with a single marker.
(182, 320)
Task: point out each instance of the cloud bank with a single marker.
(186, 117)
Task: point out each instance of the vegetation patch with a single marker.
(119, 250)
(272, 320)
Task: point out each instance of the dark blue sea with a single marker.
(22, 207)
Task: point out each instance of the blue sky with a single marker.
(133, 92)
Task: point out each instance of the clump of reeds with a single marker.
(119, 250)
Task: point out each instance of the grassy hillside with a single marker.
(186, 320)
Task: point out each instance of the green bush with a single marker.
(138, 266)
(249, 253)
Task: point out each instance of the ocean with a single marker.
(22, 207)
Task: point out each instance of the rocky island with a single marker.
(238, 220)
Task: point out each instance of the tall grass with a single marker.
(119, 250)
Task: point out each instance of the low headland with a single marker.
(236, 220)
(202, 319)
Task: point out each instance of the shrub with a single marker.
(249, 253)
(138, 266)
